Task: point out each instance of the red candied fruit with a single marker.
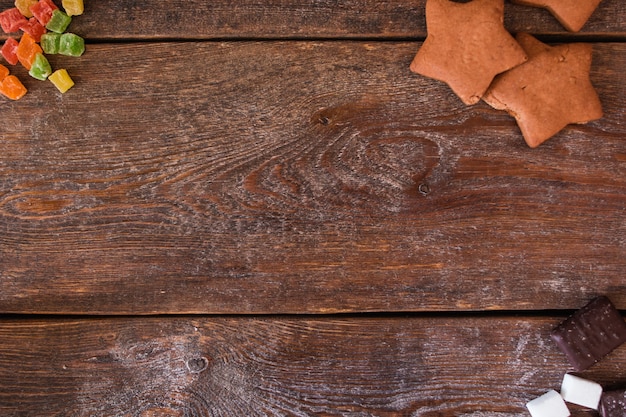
(34, 29)
(42, 10)
(9, 51)
(11, 20)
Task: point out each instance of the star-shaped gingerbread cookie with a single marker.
(573, 14)
(549, 91)
(467, 46)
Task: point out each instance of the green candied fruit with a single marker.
(50, 42)
(41, 68)
(58, 22)
(71, 45)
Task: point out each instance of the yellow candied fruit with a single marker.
(24, 6)
(61, 80)
(73, 7)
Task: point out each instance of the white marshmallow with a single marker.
(550, 404)
(577, 390)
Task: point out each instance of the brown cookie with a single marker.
(549, 91)
(467, 46)
(573, 14)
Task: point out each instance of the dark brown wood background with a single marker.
(250, 208)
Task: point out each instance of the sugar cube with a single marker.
(550, 404)
(577, 390)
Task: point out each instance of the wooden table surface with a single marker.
(254, 208)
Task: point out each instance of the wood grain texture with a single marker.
(377, 366)
(245, 157)
(195, 19)
(305, 19)
(279, 177)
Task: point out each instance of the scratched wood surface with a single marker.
(280, 19)
(250, 208)
(351, 366)
(322, 177)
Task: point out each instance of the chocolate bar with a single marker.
(590, 333)
(613, 403)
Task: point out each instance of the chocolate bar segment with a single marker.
(590, 333)
(613, 403)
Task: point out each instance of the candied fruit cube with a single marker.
(24, 7)
(40, 69)
(9, 51)
(61, 80)
(58, 22)
(73, 7)
(27, 49)
(71, 44)
(4, 71)
(11, 20)
(12, 87)
(42, 10)
(34, 29)
(50, 42)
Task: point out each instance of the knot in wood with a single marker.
(197, 365)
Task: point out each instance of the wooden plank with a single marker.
(280, 19)
(195, 19)
(299, 177)
(393, 366)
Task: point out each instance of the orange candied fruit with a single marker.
(12, 87)
(27, 49)
(4, 72)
